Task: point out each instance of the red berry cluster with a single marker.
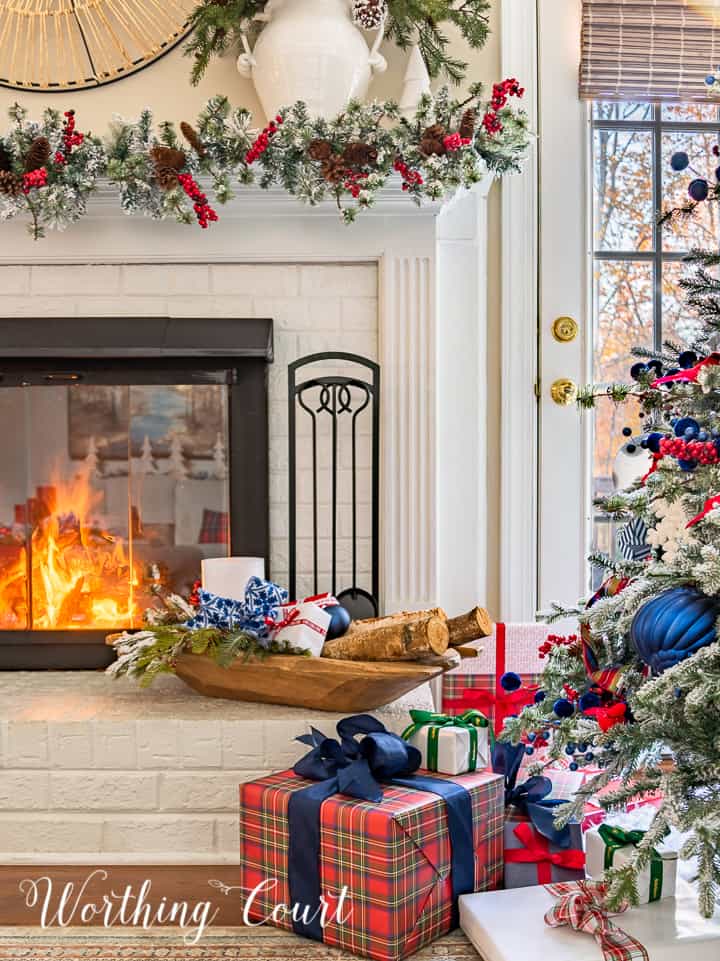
(501, 91)
(70, 138)
(704, 452)
(557, 640)
(411, 178)
(35, 178)
(263, 141)
(570, 693)
(353, 184)
(194, 598)
(454, 141)
(203, 210)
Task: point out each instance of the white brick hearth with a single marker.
(100, 771)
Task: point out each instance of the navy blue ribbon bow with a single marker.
(355, 768)
(530, 797)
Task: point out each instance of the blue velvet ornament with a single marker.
(589, 700)
(340, 621)
(563, 708)
(570, 748)
(687, 359)
(510, 681)
(699, 189)
(653, 442)
(672, 626)
(655, 365)
(638, 370)
(573, 765)
(687, 465)
(684, 424)
(539, 696)
(679, 160)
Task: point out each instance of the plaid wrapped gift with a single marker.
(215, 528)
(392, 857)
(476, 682)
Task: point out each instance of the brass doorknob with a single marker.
(564, 391)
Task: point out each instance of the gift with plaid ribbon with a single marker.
(535, 850)
(511, 926)
(353, 825)
(581, 907)
(612, 845)
(475, 684)
(451, 744)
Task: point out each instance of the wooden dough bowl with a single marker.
(311, 682)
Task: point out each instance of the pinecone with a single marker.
(167, 177)
(334, 169)
(319, 150)
(369, 14)
(193, 138)
(38, 154)
(359, 155)
(467, 124)
(10, 183)
(431, 141)
(5, 158)
(167, 157)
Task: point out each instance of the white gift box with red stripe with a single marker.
(303, 624)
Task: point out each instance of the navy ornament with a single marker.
(510, 681)
(680, 160)
(672, 626)
(699, 189)
(339, 621)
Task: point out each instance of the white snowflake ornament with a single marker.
(670, 531)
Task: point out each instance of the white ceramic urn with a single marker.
(310, 50)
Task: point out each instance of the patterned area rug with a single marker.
(27, 944)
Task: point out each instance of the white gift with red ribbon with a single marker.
(303, 624)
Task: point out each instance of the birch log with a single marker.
(390, 639)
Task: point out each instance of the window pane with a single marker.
(680, 323)
(623, 190)
(702, 229)
(622, 111)
(617, 462)
(689, 112)
(623, 313)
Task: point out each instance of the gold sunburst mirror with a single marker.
(55, 45)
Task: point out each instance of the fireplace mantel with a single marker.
(432, 349)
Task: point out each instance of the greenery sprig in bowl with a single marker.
(220, 24)
(144, 655)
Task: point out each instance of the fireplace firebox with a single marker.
(134, 448)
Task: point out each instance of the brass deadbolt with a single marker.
(564, 391)
(565, 329)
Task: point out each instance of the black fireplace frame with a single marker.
(147, 350)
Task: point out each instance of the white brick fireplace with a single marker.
(155, 777)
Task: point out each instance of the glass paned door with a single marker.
(637, 264)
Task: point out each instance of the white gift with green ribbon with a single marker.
(451, 744)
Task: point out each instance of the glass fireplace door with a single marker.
(109, 494)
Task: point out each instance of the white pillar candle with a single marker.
(228, 576)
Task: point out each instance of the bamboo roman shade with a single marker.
(648, 49)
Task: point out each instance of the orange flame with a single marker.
(81, 575)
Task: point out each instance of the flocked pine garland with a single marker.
(48, 169)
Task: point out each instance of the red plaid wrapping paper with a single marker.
(511, 647)
(215, 528)
(393, 857)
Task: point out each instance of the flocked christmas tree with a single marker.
(636, 696)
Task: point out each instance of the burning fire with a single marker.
(81, 575)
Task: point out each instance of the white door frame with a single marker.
(519, 357)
